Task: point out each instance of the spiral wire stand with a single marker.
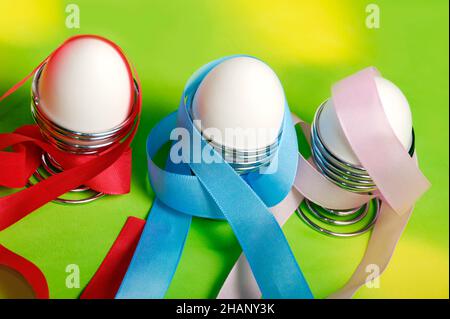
(348, 176)
(243, 161)
(73, 142)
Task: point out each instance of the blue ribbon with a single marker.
(197, 189)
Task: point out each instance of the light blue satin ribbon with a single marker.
(198, 189)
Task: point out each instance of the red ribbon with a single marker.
(107, 172)
(107, 279)
(29, 145)
(27, 270)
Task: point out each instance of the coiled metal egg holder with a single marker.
(348, 176)
(73, 142)
(244, 162)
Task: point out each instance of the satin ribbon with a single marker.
(309, 183)
(214, 190)
(382, 154)
(106, 280)
(27, 270)
(29, 145)
(109, 171)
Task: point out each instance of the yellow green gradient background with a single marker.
(310, 44)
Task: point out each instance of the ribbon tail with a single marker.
(107, 279)
(240, 283)
(384, 238)
(256, 229)
(157, 254)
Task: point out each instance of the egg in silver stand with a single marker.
(83, 98)
(337, 162)
(239, 108)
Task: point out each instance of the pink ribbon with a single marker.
(380, 152)
(397, 176)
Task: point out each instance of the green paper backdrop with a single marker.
(310, 44)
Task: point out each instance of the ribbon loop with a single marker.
(109, 171)
(349, 96)
(243, 204)
(395, 173)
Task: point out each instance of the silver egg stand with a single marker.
(72, 142)
(248, 161)
(348, 176)
(244, 162)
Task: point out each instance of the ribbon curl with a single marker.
(309, 183)
(398, 178)
(108, 171)
(197, 189)
(29, 145)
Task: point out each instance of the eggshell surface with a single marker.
(396, 108)
(240, 104)
(86, 86)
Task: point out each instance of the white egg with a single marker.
(396, 108)
(240, 104)
(86, 86)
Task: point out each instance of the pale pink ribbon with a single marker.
(390, 168)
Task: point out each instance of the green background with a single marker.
(310, 44)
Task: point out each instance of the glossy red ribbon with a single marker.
(29, 145)
(107, 279)
(108, 172)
